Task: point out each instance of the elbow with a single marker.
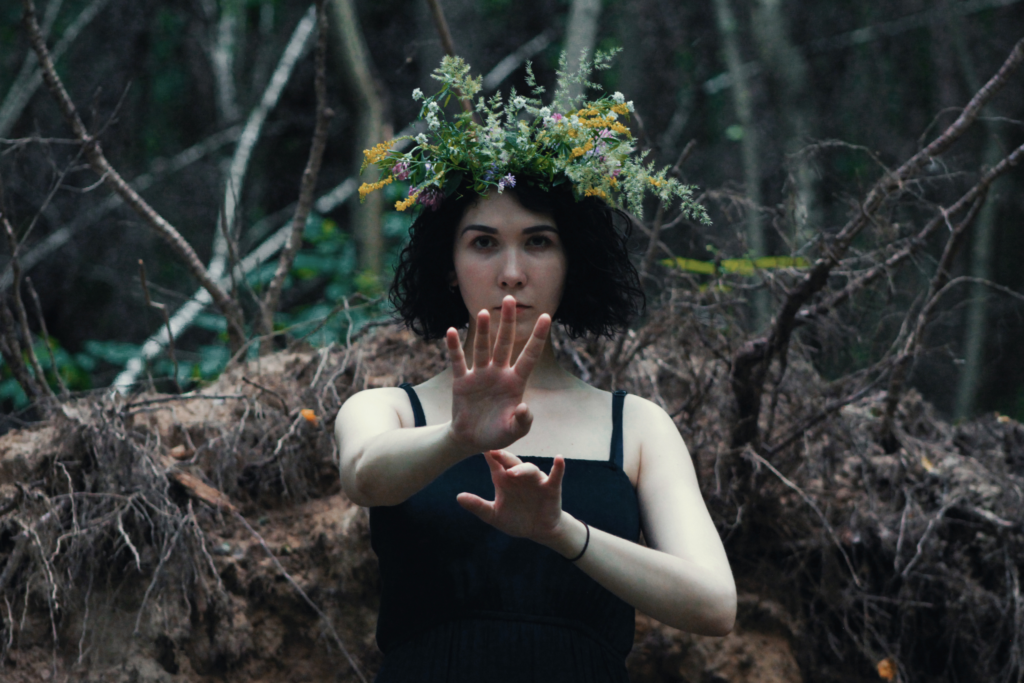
(363, 486)
(721, 618)
(354, 482)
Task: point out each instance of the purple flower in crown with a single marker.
(400, 170)
(431, 198)
(605, 133)
(508, 181)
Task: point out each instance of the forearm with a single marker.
(390, 467)
(674, 591)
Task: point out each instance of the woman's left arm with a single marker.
(682, 578)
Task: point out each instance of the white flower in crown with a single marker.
(619, 98)
(421, 139)
(544, 113)
(417, 94)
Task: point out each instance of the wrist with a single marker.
(459, 448)
(568, 537)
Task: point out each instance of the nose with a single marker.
(512, 275)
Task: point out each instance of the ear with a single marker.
(453, 280)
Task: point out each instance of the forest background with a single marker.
(793, 109)
(839, 347)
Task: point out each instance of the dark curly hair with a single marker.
(602, 289)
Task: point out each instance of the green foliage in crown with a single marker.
(585, 143)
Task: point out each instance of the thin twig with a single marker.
(44, 389)
(927, 533)
(284, 404)
(46, 337)
(814, 506)
(298, 589)
(167, 322)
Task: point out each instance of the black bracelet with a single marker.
(585, 544)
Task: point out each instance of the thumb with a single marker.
(554, 479)
(522, 419)
(483, 509)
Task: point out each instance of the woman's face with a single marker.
(502, 248)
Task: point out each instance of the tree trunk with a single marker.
(580, 35)
(975, 330)
(355, 64)
(743, 103)
(788, 69)
(223, 48)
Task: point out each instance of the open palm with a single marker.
(487, 399)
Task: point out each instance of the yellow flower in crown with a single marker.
(504, 141)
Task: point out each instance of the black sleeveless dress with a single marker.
(464, 602)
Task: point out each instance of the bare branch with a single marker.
(814, 506)
(159, 169)
(30, 78)
(751, 363)
(12, 242)
(46, 336)
(99, 163)
(915, 243)
(309, 176)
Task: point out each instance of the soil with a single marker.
(206, 538)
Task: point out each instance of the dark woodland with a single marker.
(191, 288)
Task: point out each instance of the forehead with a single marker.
(503, 212)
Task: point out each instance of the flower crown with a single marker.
(585, 143)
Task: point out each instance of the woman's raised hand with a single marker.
(487, 399)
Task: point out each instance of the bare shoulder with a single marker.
(645, 417)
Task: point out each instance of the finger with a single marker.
(522, 420)
(484, 509)
(481, 342)
(504, 458)
(527, 471)
(495, 465)
(534, 346)
(506, 332)
(455, 353)
(554, 479)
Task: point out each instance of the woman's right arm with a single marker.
(382, 463)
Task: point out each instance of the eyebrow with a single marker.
(486, 229)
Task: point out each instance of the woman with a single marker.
(506, 495)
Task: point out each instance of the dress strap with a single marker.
(417, 407)
(618, 398)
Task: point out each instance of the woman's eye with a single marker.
(538, 241)
(483, 242)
